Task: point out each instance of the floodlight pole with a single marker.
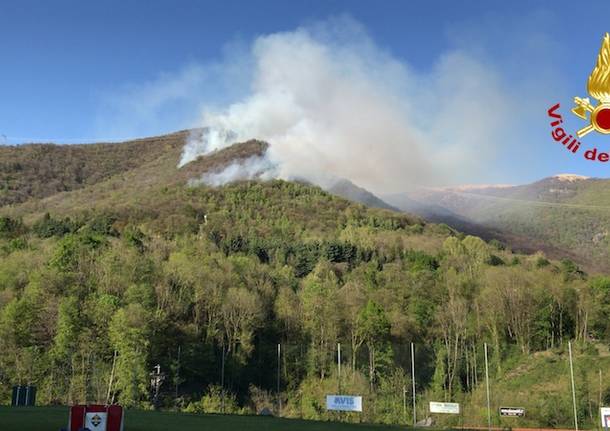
(111, 378)
(279, 369)
(487, 384)
(339, 366)
(222, 379)
(600, 387)
(573, 386)
(413, 382)
(404, 403)
(178, 372)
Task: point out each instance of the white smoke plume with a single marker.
(205, 140)
(333, 104)
(255, 167)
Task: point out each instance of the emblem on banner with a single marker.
(96, 420)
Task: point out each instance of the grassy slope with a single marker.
(54, 418)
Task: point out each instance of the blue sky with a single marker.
(71, 69)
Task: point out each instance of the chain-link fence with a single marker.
(445, 385)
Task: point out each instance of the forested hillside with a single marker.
(100, 284)
(41, 170)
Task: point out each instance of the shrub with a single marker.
(262, 399)
(10, 227)
(71, 248)
(133, 236)
(212, 402)
(497, 245)
(15, 244)
(47, 227)
(102, 224)
(494, 260)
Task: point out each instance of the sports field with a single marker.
(55, 418)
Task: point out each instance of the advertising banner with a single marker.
(449, 408)
(346, 403)
(605, 415)
(512, 411)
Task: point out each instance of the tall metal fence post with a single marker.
(487, 384)
(404, 404)
(413, 382)
(279, 369)
(339, 366)
(573, 386)
(222, 379)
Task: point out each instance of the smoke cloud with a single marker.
(332, 104)
(252, 168)
(204, 141)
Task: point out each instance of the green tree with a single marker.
(129, 332)
(320, 315)
(374, 328)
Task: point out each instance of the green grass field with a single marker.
(55, 418)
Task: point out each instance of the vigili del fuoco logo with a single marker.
(597, 116)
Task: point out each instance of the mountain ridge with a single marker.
(564, 215)
(128, 171)
(158, 163)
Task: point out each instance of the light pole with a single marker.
(279, 369)
(339, 366)
(487, 384)
(573, 386)
(413, 382)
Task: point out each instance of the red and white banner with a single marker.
(96, 418)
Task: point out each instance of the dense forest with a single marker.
(207, 283)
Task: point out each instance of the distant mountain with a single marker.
(405, 202)
(437, 213)
(350, 191)
(566, 215)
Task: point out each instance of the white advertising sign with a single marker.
(346, 403)
(96, 421)
(512, 411)
(605, 415)
(450, 408)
